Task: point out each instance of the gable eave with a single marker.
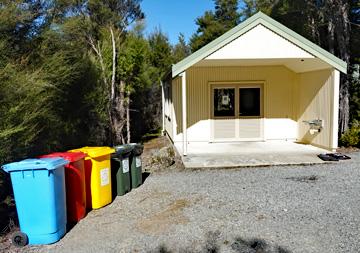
(304, 43)
(273, 25)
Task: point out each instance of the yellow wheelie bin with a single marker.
(97, 175)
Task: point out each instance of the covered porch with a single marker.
(249, 154)
(214, 103)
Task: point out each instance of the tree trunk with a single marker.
(116, 95)
(336, 14)
(313, 18)
(96, 49)
(119, 113)
(344, 106)
(331, 35)
(128, 118)
(117, 99)
(342, 32)
(113, 76)
(314, 29)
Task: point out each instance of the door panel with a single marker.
(250, 129)
(224, 129)
(250, 113)
(223, 113)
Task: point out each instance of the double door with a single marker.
(237, 112)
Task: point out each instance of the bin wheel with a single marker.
(19, 239)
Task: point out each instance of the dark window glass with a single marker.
(224, 102)
(249, 102)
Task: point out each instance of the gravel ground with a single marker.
(272, 209)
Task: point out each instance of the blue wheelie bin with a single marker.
(39, 191)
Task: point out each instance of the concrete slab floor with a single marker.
(249, 154)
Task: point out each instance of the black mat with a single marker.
(339, 156)
(326, 157)
(333, 157)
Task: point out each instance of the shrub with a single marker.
(351, 137)
(5, 186)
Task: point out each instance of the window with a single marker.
(249, 102)
(224, 102)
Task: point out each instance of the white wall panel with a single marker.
(259, 43)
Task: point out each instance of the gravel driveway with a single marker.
(272, 209)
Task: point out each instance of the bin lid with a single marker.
(95, 151)
(35, 164)
(70, 156)
(138, 148)
(123, 150)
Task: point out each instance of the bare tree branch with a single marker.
(113, 64)
(352, 23)
(97, 51)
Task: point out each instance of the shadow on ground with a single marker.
(145, 175)
(239, 245)
(256, 246)
(304, 179)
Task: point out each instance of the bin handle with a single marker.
(23, 173)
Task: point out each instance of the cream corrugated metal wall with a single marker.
(174, 123)
(168, 106)
(315, 92)
(278, 88)
(278, 98)
(289, 98)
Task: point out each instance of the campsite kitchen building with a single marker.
(260, 81)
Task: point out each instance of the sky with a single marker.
(174, 16)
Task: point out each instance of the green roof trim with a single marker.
(273, 25)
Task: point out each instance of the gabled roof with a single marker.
(250, 23)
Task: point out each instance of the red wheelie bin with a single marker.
(74, 183)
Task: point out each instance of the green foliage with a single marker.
(250, 7)
(181, 49)
(43, 109)
(112, 12)
(52, 93)
(23, 109)
(294, 14)
(160, 54)
(213, 24)
(48, 87)
(133, 61)
(146, 102)
(351, 137)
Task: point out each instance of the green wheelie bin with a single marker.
(120, 168)
(136, 165)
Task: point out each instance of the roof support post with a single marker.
(184, 109)
(163, 106)
(335, 109)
